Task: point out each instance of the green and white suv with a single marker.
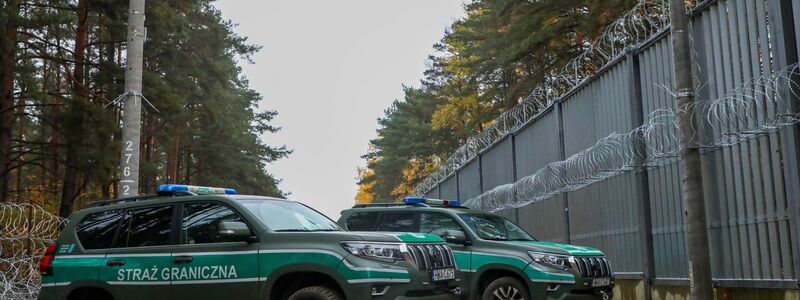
(208, 243)
(500, 259)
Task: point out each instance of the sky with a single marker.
(330, 69)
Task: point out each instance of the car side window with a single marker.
(97, 230)
(362, 221)
(144, 227)
(200, 224)
(437, 223)
(399, 222)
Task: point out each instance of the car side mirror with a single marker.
(455, 237)
(234, 232)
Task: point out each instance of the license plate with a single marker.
(601, 282)
(443, 274)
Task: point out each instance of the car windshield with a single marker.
(289, 216)
(496, 228)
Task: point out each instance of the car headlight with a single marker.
(552, 260)
(389, 252)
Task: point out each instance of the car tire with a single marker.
(506, 288)
(316, 293)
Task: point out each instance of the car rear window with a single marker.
(97, 230)
(362, 221)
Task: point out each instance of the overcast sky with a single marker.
(330, 68)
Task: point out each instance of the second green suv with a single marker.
(500, 259)
(203, 243)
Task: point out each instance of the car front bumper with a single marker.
(581, 289)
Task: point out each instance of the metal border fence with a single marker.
(752, 187)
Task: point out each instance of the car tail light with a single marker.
(46, 264)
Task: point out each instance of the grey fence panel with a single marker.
(749, 226)
(448, 189)
(795, 18)
(784, 144)
(545, 219)
(469, 180)
(668, 232)
(713, 161)
(497, 164)
(536, 146)
(603, 215)
(497, 168)
(433, 193)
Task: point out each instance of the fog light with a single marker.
(553, 287)
(380, 290)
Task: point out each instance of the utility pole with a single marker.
(691, 172)
(132, 109)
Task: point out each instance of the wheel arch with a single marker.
(291, 278)
(488, 273)
(90, 288)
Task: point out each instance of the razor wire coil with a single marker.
(757, 107)
(25, 232)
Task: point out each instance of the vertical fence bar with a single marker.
(562, 156)
(642, 185)
(514, 175)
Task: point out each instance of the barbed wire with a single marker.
(757, 107)
(25, 232)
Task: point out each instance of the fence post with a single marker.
(479, 159)
(458, 189)
(642, 180)
(562, 156)
(514, 175)
(783, 25)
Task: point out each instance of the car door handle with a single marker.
(183, 259)
(115, 263)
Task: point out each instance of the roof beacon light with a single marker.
(418, 200)
(200, 190)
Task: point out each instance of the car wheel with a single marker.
(505, 288)
(316, 293)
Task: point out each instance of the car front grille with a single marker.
(431, 256)
(590, 267)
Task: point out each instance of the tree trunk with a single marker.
(8, 46)
(21, 158)
(173, 159)
(70, 188)
(188, 177)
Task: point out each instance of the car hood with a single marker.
(558, 248)
(405, 237)
(386, 237)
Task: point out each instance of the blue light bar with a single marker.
(440, 202)
(200, 190)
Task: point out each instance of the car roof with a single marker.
(401, 207)
(147, 200)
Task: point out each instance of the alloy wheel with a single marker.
(508, 292)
